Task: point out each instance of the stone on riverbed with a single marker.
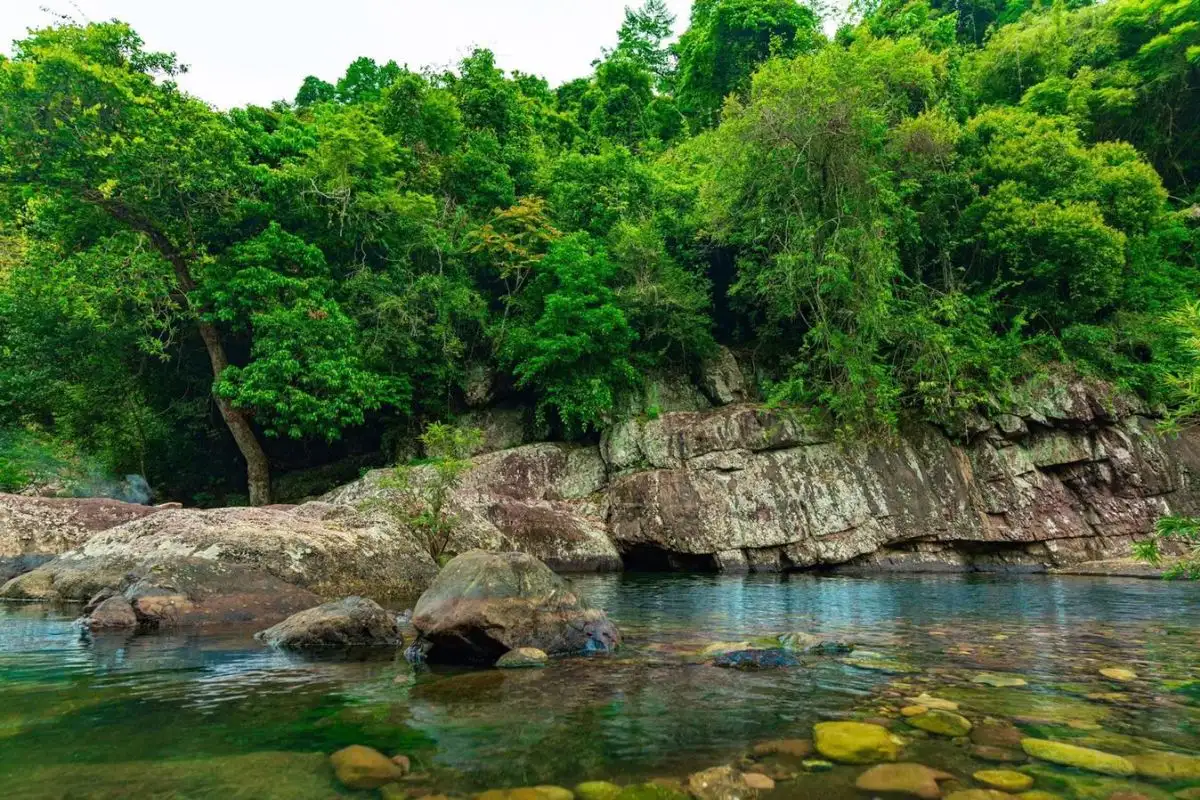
(855, 742)
(528, 793)
(359, 767)
(597, 790)
(1070, 755)
(943, 723)
(719, 783)
(999, 681)
(484, 604)
(911, 779)
(522, 657)
(814, 645)
(1167, 766)
(791, 748)
(350, 622)
(1006, 780)
(756, 659)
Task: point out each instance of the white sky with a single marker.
(257, 51)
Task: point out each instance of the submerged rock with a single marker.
(912, 779)
(719, 783)
(998, 755)
(814, 645)
(359, 767)
(528, 793)
(758, 781)
(928, 701)
(522, 657)
(1167, 766)
(597, 790)
(792, 748)
(943, 723)
(996, 734)
(1074, 756)
(484, 604)
(350, 622)
(979, 794)
(756, 659)
(1000, 681)
(1006, 780)
(855, 742)
(1119, 674)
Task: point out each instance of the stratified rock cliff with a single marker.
(1075, 474)
(754, 490)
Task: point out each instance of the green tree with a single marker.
(642, 36)
(571, 343)
(424, 491)
(728, 39)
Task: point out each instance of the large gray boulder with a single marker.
(34, 530)
(483, 605)
(349, 622)
(235, 564)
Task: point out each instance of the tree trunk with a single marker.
(258, 469)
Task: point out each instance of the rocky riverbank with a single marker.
(1066, 482)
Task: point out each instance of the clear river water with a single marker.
(214, 714)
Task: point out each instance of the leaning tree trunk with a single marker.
(258, 469)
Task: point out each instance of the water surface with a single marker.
(216, 715)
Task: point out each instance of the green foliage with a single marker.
(1180, 534)
(728, 40)
(903, 221)
(423, 492)
(571, 343)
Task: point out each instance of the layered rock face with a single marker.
(34, 530)
(746, 489)
(1074, 476)
(542, 499)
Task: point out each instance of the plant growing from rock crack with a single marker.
(417, 496)
(1184, 531)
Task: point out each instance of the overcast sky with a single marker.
(257, 51)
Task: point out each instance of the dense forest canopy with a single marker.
(903, 220)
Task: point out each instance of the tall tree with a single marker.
(99, 144)
(729, 39)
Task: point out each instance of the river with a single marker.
(213, 714)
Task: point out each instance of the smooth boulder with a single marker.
(359, 767)
(349, 622)
(1069, 755)
(235, 565)
(917, 780)
(483, 605)
(33, 530)
(522, 658)
(855, 742)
